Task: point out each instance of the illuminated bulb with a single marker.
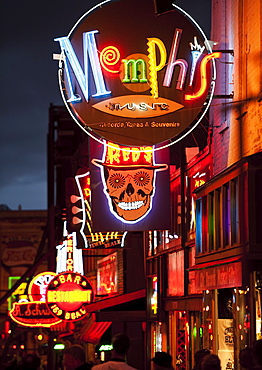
(238, 308)
(22, 346)
(209, 326)
(40, 337)
(241, 337)
(9, 331)
(211, 337)
(240, 326)
(207, 291)
(207, 308)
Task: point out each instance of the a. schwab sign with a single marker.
(135, 78)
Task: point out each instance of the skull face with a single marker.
(130, 191)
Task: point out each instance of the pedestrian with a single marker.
(211, 362)
(257, 354)
(162, 360)
(30, 362)
(246, 358)
(74, 358)
(121, 344)
(198, 357)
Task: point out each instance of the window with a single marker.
(217, 218)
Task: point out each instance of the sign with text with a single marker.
(133, 77)
(130, 187)
(35, 313)
(79, 218)
(107, 275)
(219, 277)
(68, 296)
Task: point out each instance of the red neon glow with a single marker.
(131, 156)
(68, 295)
(38, 285)
(33, 314)
(203, 75)
(109, 57)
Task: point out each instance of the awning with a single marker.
(94, 333)
(114, 301)
(205, 265)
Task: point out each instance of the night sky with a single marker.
(28, 85)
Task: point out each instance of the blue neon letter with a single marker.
(89, 50)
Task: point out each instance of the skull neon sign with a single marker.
(128, 176)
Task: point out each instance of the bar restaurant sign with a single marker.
(68, 296)
(131, 77)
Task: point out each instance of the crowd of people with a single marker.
(74, 358)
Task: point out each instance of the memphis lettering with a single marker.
(142, 71)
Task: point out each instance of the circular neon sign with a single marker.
(135, 78)
(68, 296)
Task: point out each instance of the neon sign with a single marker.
(35, 313)
(68, 296)
(38, 285)
(106, 55)
(83, 220)
(107, 275)
(128, 176)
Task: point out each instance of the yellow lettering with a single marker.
(78, 314)
(77, 279)
(113, 153)
(148, 154)
(61, 279)
(126, 154)
(152, 61)
(51, 296)
(135, 154)
(69, 278)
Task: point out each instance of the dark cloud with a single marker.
(29, 84)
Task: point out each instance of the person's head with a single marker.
(31, 361)
(211, 362)
(162, 360)
(199, 355)
(257, 351)
(121, 344)
(246, 358)
(74, 356)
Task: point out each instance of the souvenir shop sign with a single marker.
(68, 296)
(133, 77)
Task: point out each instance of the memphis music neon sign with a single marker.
(97, 73)
(133, 68)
